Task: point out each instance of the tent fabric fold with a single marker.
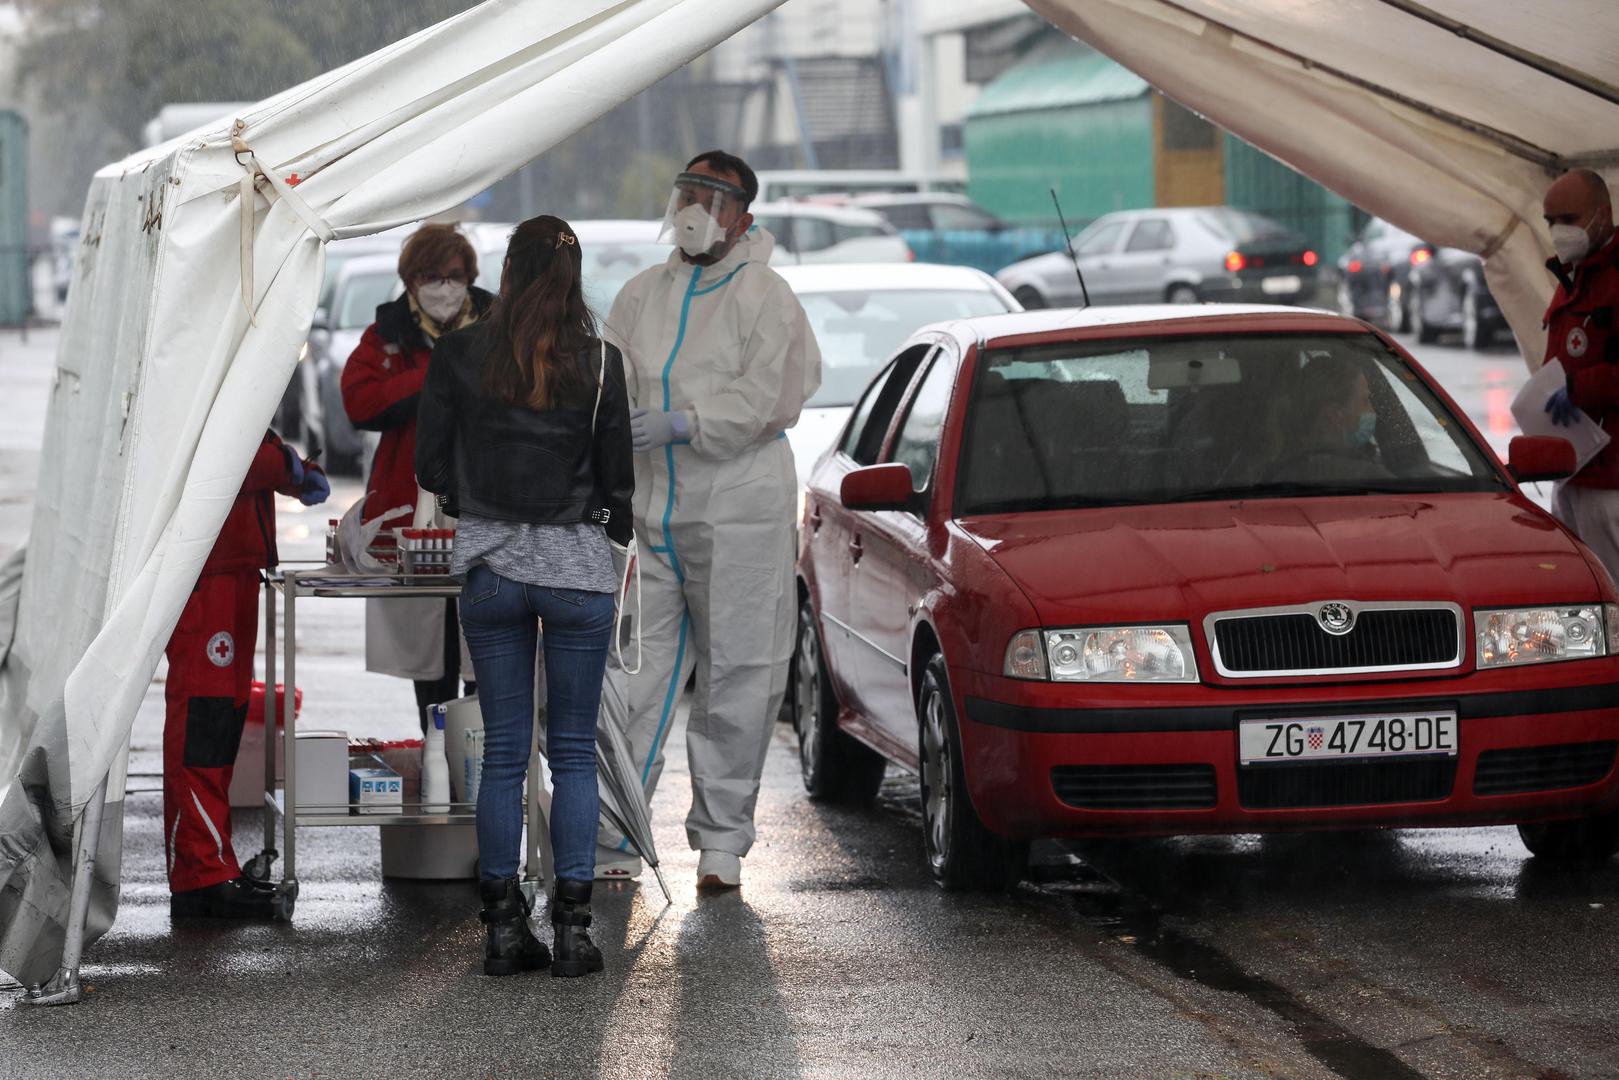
(165, 382)
(1451, 137)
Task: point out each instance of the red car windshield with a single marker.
(1182, 419)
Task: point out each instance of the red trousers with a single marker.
(210, 674)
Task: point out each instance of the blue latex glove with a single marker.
(295, 465)
(1562, 410)
(315, 486)
(650, 430)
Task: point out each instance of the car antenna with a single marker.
(1068, 242)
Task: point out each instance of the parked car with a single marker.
(1374, 272)
(1108, 573)
(612, 253)
(1178, 254)
(952, 229)
(860, 314)
(815, 233)
(361, 284)
(1447, 293)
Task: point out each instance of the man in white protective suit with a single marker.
(719, 358)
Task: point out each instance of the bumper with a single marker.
(1295, 286)
(1525, 753)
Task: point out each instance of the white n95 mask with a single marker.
(442, 300)
(1571, 242)
(696, 231)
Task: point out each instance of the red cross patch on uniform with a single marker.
(221, 649)
(1577, 342)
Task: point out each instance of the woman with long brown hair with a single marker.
(524, 435)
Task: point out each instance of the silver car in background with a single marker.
(1178, 254)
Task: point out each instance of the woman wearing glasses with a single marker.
(382, 381)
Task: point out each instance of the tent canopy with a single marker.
(195, 289)
(1446, 117)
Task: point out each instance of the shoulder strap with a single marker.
(601, 377)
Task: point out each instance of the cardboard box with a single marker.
(376, 790)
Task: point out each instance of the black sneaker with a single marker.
(232, 899)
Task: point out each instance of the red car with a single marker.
(1145, 571)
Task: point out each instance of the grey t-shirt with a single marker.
(574, 556)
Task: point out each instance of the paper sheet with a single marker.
(1529, 409)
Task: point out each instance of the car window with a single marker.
(843, 232)
(864, 439)
(1151, 234)
(918, 442)
(1236, 416)
(1099, 240)
(812, 234)
(906, 215)
(857, 329)
(361, 295)
(780, 228)
(958, 216)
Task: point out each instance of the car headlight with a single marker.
(1104, 654)
(1542, 635)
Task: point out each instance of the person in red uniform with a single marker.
(210, 675)
(382, 381)
(1580, 333)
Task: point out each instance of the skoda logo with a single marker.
(1335, 618)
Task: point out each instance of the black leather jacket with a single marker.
(513, 463)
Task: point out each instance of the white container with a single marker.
(462, 717)
(321, 760)
(435, 767)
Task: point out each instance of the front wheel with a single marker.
(835, 767)
(1181, 294)
(1425, 331)
(962, 854)
(1583, 841)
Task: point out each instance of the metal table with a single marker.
(294, 585)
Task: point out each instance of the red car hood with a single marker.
(1180, 562)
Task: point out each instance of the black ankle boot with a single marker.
(570, 923)
(512, 946)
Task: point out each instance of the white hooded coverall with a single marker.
(714, 518)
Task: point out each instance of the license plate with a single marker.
(1313, 738)
(1275, 286)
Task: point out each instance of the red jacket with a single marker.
(381, 383)
(247, 539)
(1580, 333)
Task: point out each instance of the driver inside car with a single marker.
(1328, 427)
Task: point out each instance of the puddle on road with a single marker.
(1137, 924)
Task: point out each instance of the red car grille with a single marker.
(1542, 768)
(1135, 787)
(1288, 643)
(1293, 787)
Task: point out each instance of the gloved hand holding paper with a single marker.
(1532, 409)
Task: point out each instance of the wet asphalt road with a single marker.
(1445, 954)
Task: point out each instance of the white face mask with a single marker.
(696, 231)
(442, 300)
(1571, 242)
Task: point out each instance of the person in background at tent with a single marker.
(1580, 333)
(720, 359)
(525, 433)
(210, 676)
(418, 640)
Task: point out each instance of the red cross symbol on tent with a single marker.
(221, 649)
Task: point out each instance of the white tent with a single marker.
(164, 384)
(1446, 117)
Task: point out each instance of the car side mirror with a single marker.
(878, 487)
(1540, 457)
(322, 320)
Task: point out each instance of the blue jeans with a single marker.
(498, 616)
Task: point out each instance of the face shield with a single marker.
(702, 210)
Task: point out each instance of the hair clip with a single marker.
(566, 238)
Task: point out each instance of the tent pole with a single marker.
(64, 988)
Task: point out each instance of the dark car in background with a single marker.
(1403, 283)
(1183, 255)
(952, 229)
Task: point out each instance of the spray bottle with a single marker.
(435, 767)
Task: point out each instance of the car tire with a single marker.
(1425, 331)
(1476, 334)
(1583, 841)
(1182, 294)
(836, 768)
(962, 854)
(1029, 297)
